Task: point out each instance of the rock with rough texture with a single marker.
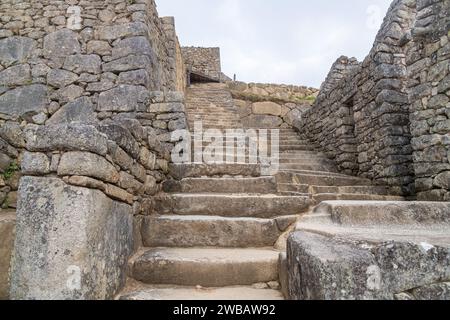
(7, 229)
(35, 163)
(123, 98)
(15, 50)
(80, 63)
(121, 31)
(55, 216)
(80, 110)
(60, 44)
(87, 164)
(22, 100)
(16, 76)
(67, 137)
(268, 108)
(61, 78)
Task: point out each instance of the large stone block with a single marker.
(19, 101)
(60, 44)
(87, 164)
(80, 110)
(15, 50)
(269, 108)
(71, 242)
(67, 137)
(7, 228)
(123, 98)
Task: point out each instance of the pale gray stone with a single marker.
(80, 63)
(59, 216)
(16, 75)
(87, 164)
(123, 98)
(61, 78)
(80, 110)
(16, 50)
(19, 101)
(132, 46)
(66, 137)
(7, 235)
(13, 134)
(60, 44)
(68, 94)
(121, 31)
(137, 77)
(35, 163)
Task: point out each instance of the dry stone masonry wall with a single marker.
(89, 93)
(385, 118)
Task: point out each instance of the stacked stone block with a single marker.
(362, 114)
(428, 61)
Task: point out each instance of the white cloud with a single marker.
(286, 41)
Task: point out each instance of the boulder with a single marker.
(16, 50)
(81, 237)
(60, 44)
(22, 100)
(269, 108)
(80, 110)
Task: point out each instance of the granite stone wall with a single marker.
(428, 67)
(374, 118)
(88, 99)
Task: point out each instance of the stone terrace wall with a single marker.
(361, 117)
(428, 60)
(277, 92)
(87, 105)
(205, 61)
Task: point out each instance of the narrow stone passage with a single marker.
(219, 231)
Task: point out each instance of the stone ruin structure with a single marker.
(94, 208)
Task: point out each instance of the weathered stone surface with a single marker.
(122, 137)
(443, 180)
(61, 78)
(132, 46)
(15, 50)
(137, 77)
(80, 63)
(263, 121)
(16, 76)
(12, 133)
(60, 44)
(268, 108)
(121, 31)
(70, 137)
(118, 194)
(433, 292)
(67, 94)
(128, 63)
(87, 164)
(195, 231)
(123, 98)
(35, 163)
(22, 100)
(7, 232)
(99, 47)
(60, 216)
(80, 110)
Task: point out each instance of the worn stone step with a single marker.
(290, 187)
(207, 267)
(180, 171)
(222, 185)
(206, 231)
(231, 205)
(174, 293)
(311, 167)
(296, 147)
(380, 190)
(320, 197)
(320, 179)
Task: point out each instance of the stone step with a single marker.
(290, 187)
(380, 190)
(306, 160)
(173, 293)
(320, 179)
(206, 231)
(180, 171)
(231, 205)
(311, 167)
(320, 197)
(207, 267)
(222, 185)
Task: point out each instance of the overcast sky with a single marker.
(278, 41)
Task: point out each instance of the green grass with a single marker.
(9, 172)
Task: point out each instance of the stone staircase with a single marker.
(219, 231)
